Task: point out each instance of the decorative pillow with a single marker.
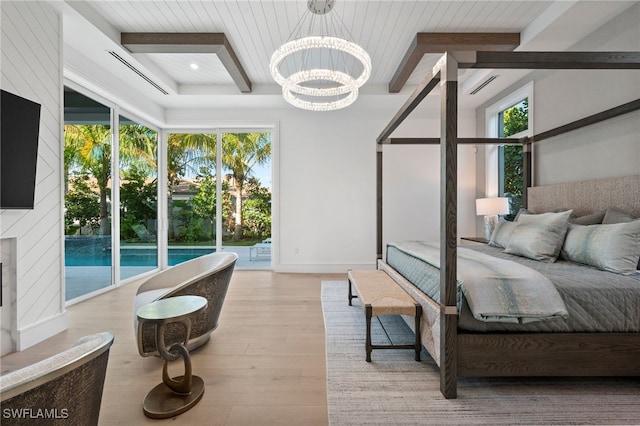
(611, 247)
(502, 233)
(521, 212)
(615, 215)
(539, 236)
(589, 219)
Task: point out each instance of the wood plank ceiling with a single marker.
(256, 28)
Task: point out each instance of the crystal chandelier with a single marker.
(319, 72)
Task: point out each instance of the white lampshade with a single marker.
(492, 206)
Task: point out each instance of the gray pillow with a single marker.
(539, 236)
(589, 219)
(615, 215)
(521, 212)
(611, 247)
(502, 233)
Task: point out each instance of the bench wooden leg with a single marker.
(350, 293)
(418, 336)
(368, 342)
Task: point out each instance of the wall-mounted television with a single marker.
(19, 130)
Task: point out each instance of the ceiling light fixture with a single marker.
(194, 66)
(323, 73)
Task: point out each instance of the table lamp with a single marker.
(490, 208)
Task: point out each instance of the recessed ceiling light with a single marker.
(194, 66)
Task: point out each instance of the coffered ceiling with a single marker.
(255, 28)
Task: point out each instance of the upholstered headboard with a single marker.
(587, 196)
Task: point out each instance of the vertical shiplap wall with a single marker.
(31, 67)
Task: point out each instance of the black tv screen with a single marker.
(19, 130)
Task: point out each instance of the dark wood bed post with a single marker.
(527, 174)
(448, 225)
(379, 201)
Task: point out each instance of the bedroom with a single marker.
(329, 241)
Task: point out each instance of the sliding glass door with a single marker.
(191, 195)
(138, 207)
(211, 190)
(87, 197)
(219, 196)
(246, 165)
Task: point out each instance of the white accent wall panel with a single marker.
(31, 67)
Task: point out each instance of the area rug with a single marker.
(394, 389)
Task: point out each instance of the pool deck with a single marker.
(81, 280)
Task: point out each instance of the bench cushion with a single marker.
(377, 289)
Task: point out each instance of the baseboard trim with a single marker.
(42, 330)
(312, 268)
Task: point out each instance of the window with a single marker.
(87, 199)
(234, 214)
(511, 122)
(212, 190)
(509, 117)
(138, 160)
(110, 199)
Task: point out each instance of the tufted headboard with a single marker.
(587, 196)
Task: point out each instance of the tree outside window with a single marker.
(512, 121)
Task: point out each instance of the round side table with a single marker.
(174, 395)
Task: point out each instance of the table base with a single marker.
(161, 402)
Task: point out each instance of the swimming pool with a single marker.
(133, 256)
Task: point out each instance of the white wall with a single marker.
(327, 184)
(607, 149)
(31, 45)
(610, 148)
(411, 184)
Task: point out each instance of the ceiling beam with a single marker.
(443, 42)
(461, 141)
(551, 60)
(216, 43)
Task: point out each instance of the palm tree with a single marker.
(240, 153)
(88, 148)
(187, 154)
(138, 148)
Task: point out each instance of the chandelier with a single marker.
(320, 72)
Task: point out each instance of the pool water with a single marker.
(131, 256)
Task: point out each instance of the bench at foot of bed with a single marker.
(380, 295)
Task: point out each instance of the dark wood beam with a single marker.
(215, 43)
(414, 100)
(554, 60)
(527, 171)
(442, 42)
(461, 141)
(587, 121)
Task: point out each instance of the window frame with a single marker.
(493, 180)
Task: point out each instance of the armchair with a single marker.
(65, 388)
(207, 276)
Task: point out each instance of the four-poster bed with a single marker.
(463, 353)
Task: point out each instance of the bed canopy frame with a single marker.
(469, 354)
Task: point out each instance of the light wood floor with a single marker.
(265, 364)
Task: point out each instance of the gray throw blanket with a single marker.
(497, 290)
